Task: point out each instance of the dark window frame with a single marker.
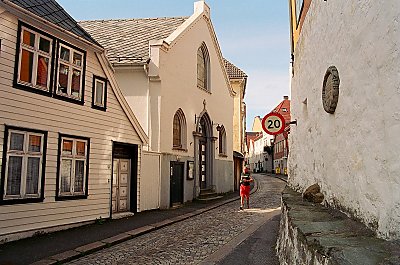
(62, 97)
(53, 80)
(300, 12)
(94, 106)
(59, 197)
(4, 163)
(28, 88)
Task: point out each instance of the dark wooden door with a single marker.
(176, 183)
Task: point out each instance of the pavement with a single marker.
(63, 246)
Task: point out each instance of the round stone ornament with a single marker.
(330, 89)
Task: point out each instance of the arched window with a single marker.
(222, 140)
(203, 67)
(179, 130)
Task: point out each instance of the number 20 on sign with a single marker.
(273, 123)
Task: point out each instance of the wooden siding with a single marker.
(150, 181)
(29, 110)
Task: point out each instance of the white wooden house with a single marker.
(67, 136)
(172, 73)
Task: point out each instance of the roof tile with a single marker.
(127, 40)
(233, 71)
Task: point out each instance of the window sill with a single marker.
(68, 98)
(8, 201)
(205, 90)
(222, 155)
(179, 149)
(70, 197)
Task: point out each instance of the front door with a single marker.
(120, 187)
(176, 183)
(203, 163)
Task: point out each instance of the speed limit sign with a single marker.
(273, 123)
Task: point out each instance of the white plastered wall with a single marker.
(354, 153)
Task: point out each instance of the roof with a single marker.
(127, 40)
(233, 71)
(251, 136)
(51, 11)
(284, 105)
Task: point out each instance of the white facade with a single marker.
(54, 120)
(352, 154)
(166, 83)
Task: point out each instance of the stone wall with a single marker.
(316, 235)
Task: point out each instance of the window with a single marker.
(73, 166)
(34, 60)
(70, 72)
(179, 130)
(24, 165)
(99, 93)
(203, 65)
(299, 7)
(42, 68)
(222, 140)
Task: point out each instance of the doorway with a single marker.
(124, 178)
(176, 183)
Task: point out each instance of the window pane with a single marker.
(28, 38)
(77, 59)
(80, 148)
(34, 143)
(14, 175)
(176, 132)
(32, 175)
(79, 175)
(26, 66)
(67, 147)
(64, 53)
(17, 141)
(76, 83)
(99, 93)
(66, 167)
(63, 78)
(44, 45)
(42, 71)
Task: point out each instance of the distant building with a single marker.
(281, 144)
(238, 80)
(346, 100)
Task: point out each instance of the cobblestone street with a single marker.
(193, 240)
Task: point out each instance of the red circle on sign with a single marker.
(277, 115)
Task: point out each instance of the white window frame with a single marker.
(25, 154)
(222, 141)
(95, 92)
(36, 52)
(96, 105)
(73, 157)
(71, 67)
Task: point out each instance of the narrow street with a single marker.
(217, 236)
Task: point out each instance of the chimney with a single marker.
(285, 97)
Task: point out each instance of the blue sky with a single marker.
(253, 35)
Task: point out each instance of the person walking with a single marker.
(245, 181)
